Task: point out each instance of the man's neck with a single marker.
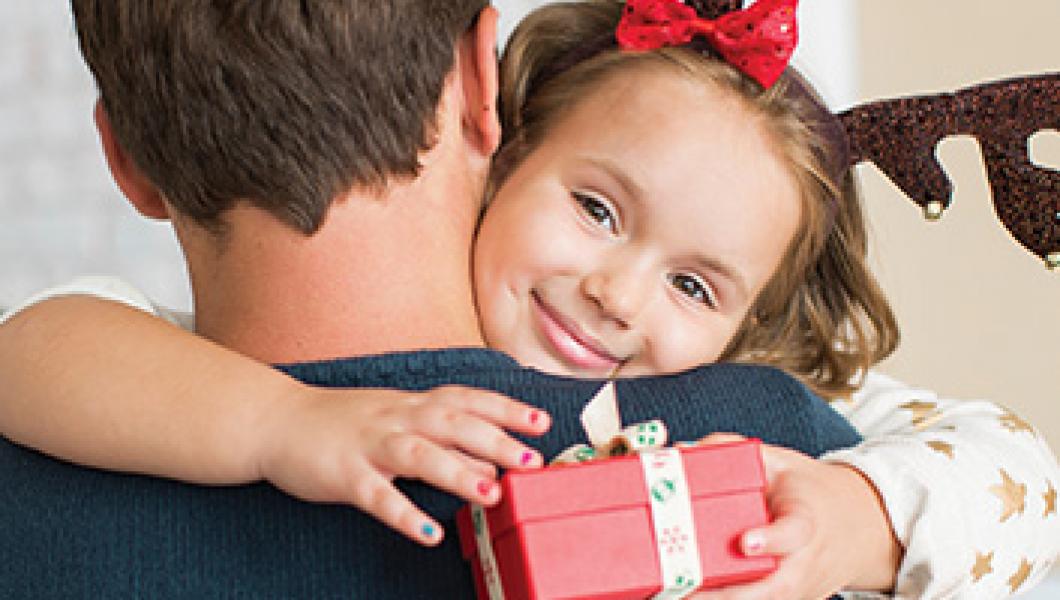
(382, 274)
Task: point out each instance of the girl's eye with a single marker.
(693, 287)
(597, 210)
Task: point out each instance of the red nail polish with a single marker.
(535, 416)
(485, 487)
(527, 458)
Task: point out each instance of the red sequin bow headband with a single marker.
(759, 40)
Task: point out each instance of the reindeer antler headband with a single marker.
(898, 135)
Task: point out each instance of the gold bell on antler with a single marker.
(933, 210)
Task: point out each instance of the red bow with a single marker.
(758, 41)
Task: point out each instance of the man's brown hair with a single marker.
(284, 103)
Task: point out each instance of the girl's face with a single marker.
(637, 236)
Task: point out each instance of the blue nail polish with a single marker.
(428, 530)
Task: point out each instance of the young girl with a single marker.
(653, 211)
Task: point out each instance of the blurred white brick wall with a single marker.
(60, 215)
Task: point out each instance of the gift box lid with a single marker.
(616, 483)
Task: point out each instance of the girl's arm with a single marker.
(970, 489)
(109, 386)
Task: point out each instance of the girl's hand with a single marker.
(829, 531)
(347, 446)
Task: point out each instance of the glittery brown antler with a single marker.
(1003, 116)
(900, 137)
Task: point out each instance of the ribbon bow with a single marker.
(607, 438)
(759, 40)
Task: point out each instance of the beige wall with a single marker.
(980, 315)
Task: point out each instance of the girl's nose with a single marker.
(620, 291)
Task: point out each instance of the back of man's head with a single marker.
(286, 103)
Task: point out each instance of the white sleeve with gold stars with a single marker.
(970, 488)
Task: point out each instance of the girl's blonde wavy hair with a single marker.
(822, 317)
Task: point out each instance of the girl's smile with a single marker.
(570, 342)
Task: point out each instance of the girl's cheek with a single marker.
(687, 347)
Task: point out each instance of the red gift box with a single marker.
(585, 531)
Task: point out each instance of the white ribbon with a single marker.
(600, 418)
(491, 574)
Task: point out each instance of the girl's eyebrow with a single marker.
(628, 185)
(727, 271)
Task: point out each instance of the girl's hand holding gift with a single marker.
(829, 530)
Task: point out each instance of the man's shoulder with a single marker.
(752, 400)
(412, 370)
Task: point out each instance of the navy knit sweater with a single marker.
(71, 532)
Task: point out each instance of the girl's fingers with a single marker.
(493, 407)
(483, 468)
(376, 495)
(414, 457)
(450, 438)
(777, 461)
(786, 535)
(479, 438)
(789, 581)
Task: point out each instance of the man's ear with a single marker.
(138, 189)
(477, 61)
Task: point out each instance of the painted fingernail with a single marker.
(485, 487)
(753, 543)
(429, 530)
(535, 417)
(527, 458)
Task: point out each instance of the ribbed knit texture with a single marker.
(71, 532)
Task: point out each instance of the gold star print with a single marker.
(924, 413)
(1014, 423)
(941, 447)
(982, 566)
(1050, 501)
(1020, 575)
(1011, 494)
